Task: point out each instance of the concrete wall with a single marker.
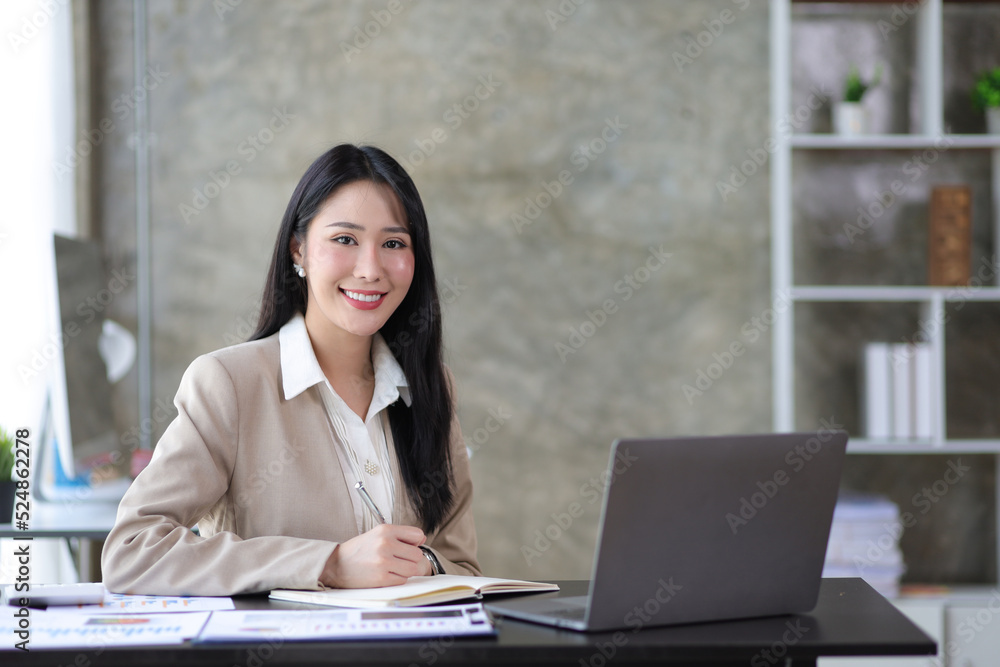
(579, 315)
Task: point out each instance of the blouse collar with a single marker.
(300, 369)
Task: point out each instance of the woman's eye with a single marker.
(394, 244)
(343, 240)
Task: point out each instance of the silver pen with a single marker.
(360, 486)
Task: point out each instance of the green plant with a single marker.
(6, 455)
(986, 92)
(855, 87)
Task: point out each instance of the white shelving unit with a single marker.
(894, 141)
(932, 301)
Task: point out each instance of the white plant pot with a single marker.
(993, 120)
(849, 118)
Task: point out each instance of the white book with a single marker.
(415, 592)
(864, 533)
(858, 506)
(883, 580)
(923, 391)
(876, 391)
(900, 368)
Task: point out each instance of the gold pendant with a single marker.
(370, 468)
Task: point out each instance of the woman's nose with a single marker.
(369, 264)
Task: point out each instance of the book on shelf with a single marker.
(416, 592)
(902, 403)
(876, 391)
(864, 542)
(897, 389)
(923, 391)
(949, 236)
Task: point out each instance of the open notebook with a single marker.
(416, 592)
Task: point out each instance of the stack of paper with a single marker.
(149, 620)
(346, 624)
(898, 391)
(864, 542)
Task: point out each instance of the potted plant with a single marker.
(986, 98)
(7, 485)
(849, 114)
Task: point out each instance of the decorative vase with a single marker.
(849, 118)
(993, 120)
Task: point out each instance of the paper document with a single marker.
(58, 629)
(115, 603)
(345, 624)
(93, 598)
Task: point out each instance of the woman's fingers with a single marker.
(387, 555)
(409, 534)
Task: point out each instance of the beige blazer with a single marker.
(260, 477)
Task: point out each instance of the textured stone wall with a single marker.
(568, 154)
(595, 95)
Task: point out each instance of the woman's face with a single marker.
(358, 259)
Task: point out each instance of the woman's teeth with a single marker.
(363, 297)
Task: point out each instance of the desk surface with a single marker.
(70, 518)
(850, 619)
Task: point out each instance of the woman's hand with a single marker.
(386, 555)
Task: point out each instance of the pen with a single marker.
(428, 554)
(360, 486)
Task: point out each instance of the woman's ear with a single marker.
(295, 248)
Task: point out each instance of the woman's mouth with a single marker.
(363, 299)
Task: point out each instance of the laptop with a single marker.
(704, 529)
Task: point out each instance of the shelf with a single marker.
(866, 293)
(970, 446)
(894, 141)
(962, 595)
(921, 113)
(882, 2)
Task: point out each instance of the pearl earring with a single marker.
(300, 270)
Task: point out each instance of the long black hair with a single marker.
(420, 432)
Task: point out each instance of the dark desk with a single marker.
(850, 619)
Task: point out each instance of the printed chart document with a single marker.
(416, 592)
(346, 624)
(93, 598)
(115, 603)
(59, 629)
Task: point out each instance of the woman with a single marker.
(341, 383)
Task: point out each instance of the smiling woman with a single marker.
(341, 386)
(356, 257)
